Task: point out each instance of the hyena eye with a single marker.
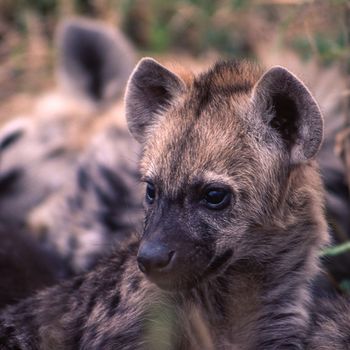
(216, 198)
(150, 193)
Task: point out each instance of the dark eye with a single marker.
(216, 198)
(150, 193)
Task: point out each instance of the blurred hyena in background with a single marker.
(69, 170)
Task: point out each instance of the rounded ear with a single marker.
(287, 106)
(151, 89)
(94, 59)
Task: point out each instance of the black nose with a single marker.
(153, 258)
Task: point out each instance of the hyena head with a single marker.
(227, 162)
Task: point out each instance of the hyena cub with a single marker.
(234, 225)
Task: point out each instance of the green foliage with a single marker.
(44, 7)
(345, 286)
(198, 26)
(336, 250)
(193, 25)
(16, 8)
(159, 327)
(327, 48)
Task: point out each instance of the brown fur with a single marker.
(239, 275)
(68, 169)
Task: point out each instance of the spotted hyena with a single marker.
(233, 227)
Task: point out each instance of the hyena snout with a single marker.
(154, 258)
(174, 264)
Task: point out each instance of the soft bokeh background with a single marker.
(315, 30)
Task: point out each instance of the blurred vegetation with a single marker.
(313, 29)
(228, 26)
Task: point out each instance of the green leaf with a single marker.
(336, 250)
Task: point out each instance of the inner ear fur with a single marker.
(287, 106)
(150, 90)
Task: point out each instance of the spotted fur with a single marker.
(242, 276)
(101, 206)
(68, 170)
(40, 149)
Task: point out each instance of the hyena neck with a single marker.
(249, 309)
(280, 316)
